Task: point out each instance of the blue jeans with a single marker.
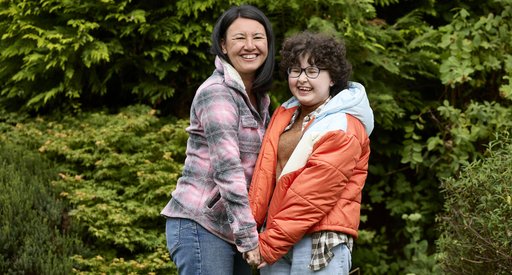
(196, 251)
(299, 265)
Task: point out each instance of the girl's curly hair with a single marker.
(323, 51)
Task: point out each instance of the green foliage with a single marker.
(459, 133)
(418, 259)
(117, 172)
(487, 35)
(475, 51)
(437, 136)
(36, 236)
(66, 54)
(477, 218)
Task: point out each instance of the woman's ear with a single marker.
(223, 46)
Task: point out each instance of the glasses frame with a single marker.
(305, 72)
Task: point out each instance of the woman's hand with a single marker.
(253, 257)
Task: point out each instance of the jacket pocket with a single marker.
(214, 200)
(215, 210)
(248, 135)
(248, 121)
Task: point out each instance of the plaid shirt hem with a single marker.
(323, 242)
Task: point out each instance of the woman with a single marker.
(306, 188)
(209, 221)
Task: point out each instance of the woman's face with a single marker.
(311, 92)
(246, 46)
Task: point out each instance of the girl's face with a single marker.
(311, 92)
(246, 46)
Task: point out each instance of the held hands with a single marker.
(253, 258)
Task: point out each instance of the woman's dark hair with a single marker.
(263, 79)
(323, 51)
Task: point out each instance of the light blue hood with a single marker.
(352, 100)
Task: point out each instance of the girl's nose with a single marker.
(302, 77)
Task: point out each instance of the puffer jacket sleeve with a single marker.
(308, 198)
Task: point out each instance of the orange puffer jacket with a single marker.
(320, 186)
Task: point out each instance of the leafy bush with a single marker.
(477, 222)
(117, 172)
(66, 54)
(36, 236)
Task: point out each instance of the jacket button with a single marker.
(230, 219)
(238, 242)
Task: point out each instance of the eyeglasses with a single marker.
(311, 72)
